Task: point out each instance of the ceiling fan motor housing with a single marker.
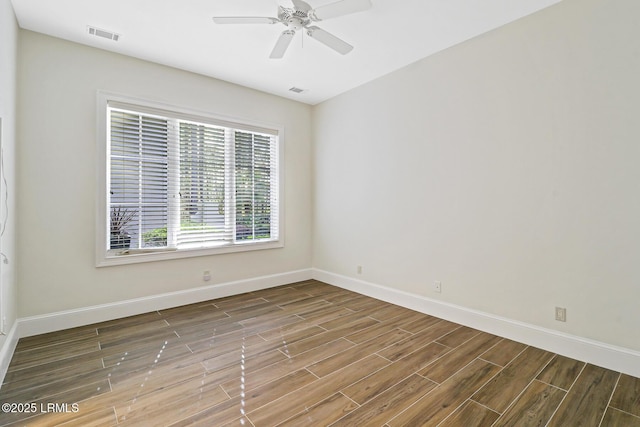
(294, 19)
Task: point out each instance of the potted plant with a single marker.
(120, 218)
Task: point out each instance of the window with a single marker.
(182, 184)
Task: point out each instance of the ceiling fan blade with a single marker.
(329, 39)
(244, 20)
(339, 8)
(301, 5)
(282, 44)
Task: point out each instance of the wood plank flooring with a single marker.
(305, 354)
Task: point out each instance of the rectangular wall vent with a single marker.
(296, 89)
(103, 33)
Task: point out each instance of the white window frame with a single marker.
(106, 257)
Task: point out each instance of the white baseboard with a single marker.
(598, 353)
(601, 354)
(51, 322)
(7, 349)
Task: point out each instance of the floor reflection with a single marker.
(146, 378)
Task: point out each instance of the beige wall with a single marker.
(8, 64)
(506, 167)
(57, 176)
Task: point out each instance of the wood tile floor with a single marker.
(306, 354)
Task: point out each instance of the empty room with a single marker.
(321, 212)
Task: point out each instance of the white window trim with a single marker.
(103, 257)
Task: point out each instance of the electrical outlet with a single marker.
(359, 269)
(437, 286)
(561, 314)
(206, 276)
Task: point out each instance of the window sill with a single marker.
(135, 256)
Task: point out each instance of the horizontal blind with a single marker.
(256, 184)
(194, 116)
(202, 186)
(138, 177)
(187, 184)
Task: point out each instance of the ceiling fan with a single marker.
(301, 16)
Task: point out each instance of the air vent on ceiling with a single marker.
(296, 89)
(103, 33)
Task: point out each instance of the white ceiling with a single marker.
(181, 34)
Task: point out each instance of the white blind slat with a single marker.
(202, 185)
(138, 178)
